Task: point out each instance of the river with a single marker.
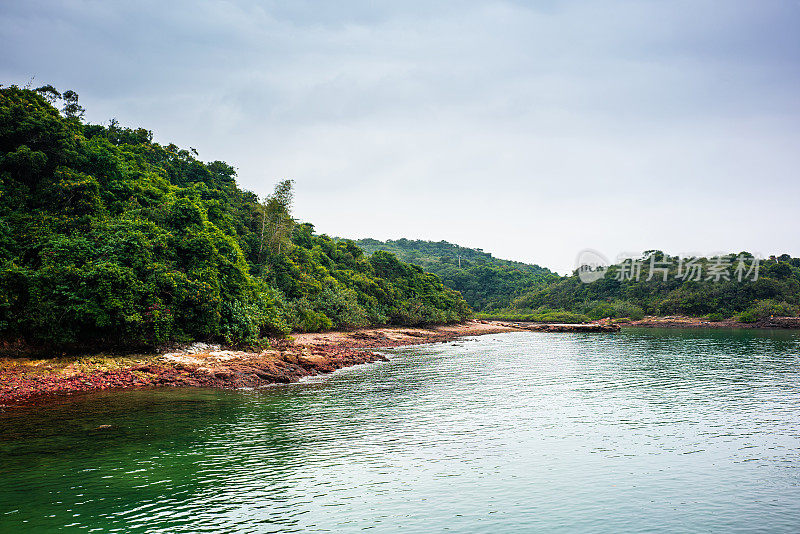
(646, 430)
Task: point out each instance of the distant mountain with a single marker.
(485, 282)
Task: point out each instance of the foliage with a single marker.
(276, 219)
(107, 238)
(776, 291)
(485, 282)
(766, 308)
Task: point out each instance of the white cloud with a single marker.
(531, 133)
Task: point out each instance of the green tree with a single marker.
(276, 218)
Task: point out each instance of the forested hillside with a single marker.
(485, 282)
(736, 286)
(108, 238)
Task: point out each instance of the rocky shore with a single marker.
(30, 380)
(25, 381)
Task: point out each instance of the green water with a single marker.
(642, 431)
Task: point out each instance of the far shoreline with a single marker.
(680, 321)
(669, 321)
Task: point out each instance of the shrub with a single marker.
(766, 308)
(748, 316)
(340, 305)
(627, 309)
(601, 310)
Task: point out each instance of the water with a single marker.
(643, 431)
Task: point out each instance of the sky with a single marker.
(532, 130)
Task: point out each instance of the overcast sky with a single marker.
(532, 130)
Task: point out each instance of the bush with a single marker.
(748, 316)
(628, 309)
(764, 309)
(341, 307)
(601, 310)
(306, 319)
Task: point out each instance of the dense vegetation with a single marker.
(714, 289)
(108, 238)
(486, 282)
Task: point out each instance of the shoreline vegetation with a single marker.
(674, 321)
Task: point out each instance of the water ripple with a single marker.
(644, 431)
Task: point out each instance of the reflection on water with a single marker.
(646, 430)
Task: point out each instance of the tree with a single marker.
(71, 106)
(49, 93)
(276, 218)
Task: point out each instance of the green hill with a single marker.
(110, 239)
(485, 282)
(735, 285)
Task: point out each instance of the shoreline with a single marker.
(680, 321)
(25, 381)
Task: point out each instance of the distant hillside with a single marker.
(485, 282)
(736, 285)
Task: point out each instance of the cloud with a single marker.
(530, 131)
